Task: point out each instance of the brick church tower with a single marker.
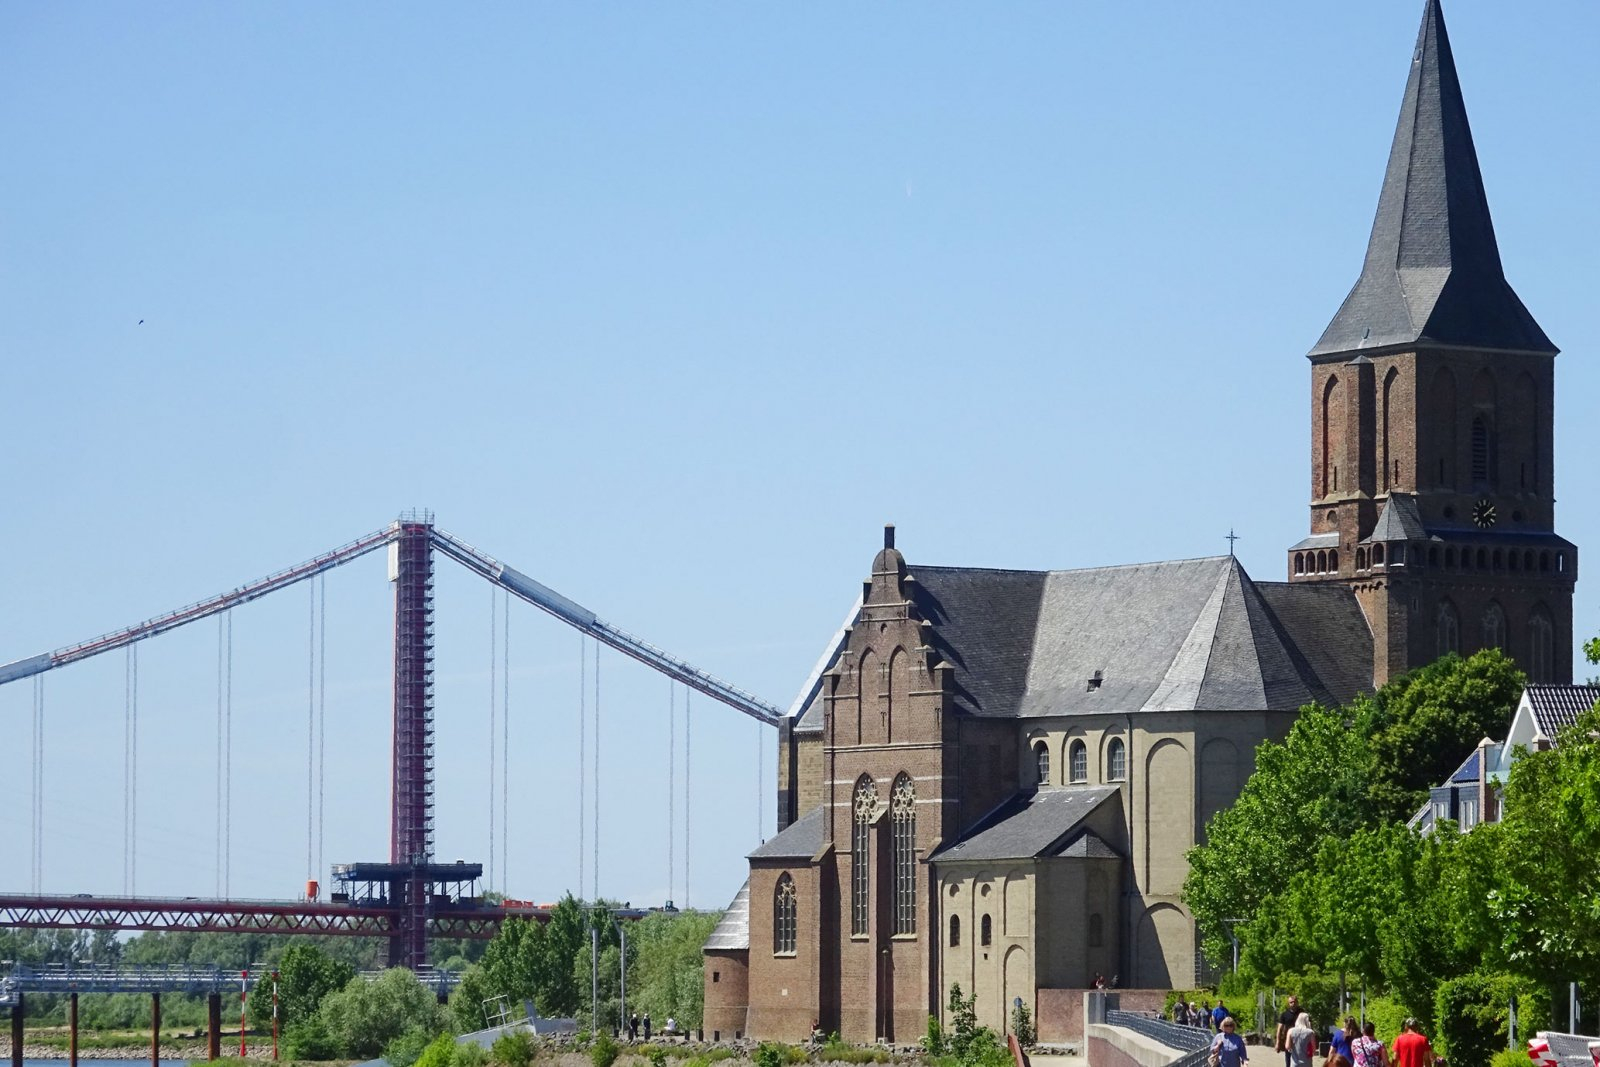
(1432, 474)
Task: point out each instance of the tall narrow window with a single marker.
(903, 816)
(866, 809)
(1541, 646)
(1078, 762)
(1494, 627)
(1041, 762)
(1116, 760)
(783, 917)
(955, 931)
(1480, 449)
(985, 932)
(1448, 624)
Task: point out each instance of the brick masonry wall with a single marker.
(727, 978)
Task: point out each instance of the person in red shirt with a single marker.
(1411, 1049)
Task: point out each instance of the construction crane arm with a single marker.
(160, 624)
(581, 618)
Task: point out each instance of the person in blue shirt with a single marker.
(1340, 1043)
(1219, 1013)
(1227, 1048)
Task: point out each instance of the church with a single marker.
(993, 776)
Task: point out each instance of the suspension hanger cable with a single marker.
(583, 696)
(761, 785)
(494, 596)
(38, 784)
(217, 808)
(227, 769)
(596, 876)
(505, 743)
(672, 784)
(322, 714)
(133, 817)
(688, 778)
(127, 762)
(311, 736)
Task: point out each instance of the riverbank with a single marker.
(169, 1053)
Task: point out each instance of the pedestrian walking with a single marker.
(633, 1027)
(1368, 1050)
(1228, 1048)
(1342, 1042)
(1301, 1042)
(647, 1026)
(1219, 1013)
(1286, 1021)
(1411, 1049)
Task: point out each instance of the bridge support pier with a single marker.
(16, 1030)
(72, 1030)
(155, 1030)
(213, 1026)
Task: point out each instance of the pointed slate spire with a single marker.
(1432, 271)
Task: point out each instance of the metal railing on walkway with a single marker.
(1192, 1041)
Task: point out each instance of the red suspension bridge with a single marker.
(407, 899)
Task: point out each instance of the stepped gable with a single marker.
(1432, 271)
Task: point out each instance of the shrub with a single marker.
(309, 1039)
(1472, 1012)
(470, 1054)
(437, 1053)
(1509, 1058)
(1386, 1015)
(603, 1052)
(513, 1049)
(658, 1057)
(769, 1054)
(933, 1043)
(1022, 1025)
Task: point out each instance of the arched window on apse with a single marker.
(784, 926)
(1041, 762)
(865, 809)
(1078, 761)
(1116, 760)
(955, 931)
(986, 932)
(1494, 627)
(1332, 434)
(1448, 624)
(1391, 463)
(903, 820)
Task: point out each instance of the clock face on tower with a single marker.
(1483, 514)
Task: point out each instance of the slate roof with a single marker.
(733, 930)
(1399, 520)
(1558, 706)
(1035, 824)
(800, 840)
(1432, 270)
(1185, 635)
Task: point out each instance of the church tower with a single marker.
(1432, 474)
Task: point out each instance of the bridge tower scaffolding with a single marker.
(411, 822)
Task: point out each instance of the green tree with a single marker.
(1547, 906)
(666, 971)
(364, 1016)
(306, 974)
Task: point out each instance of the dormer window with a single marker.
(1094, 681)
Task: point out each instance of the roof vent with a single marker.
(888, 535)
(1094, 682)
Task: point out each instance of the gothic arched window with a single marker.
(1494, 627)
(1041, 762)
(1541, 646)
(903, 817)
(1078, 761)
(1116, 760)
(1448, 623)
(955, 931)
(783, 917)
(866, 809)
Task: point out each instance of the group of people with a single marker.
(1349, 1045)
(635, 1026)
(1204, 1015)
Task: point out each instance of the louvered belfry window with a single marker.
(866, 807)
(903, 816)
(783, 917)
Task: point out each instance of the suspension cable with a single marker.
(672, 784)
(311, 735)
(583, 696)
(761, 785)
(596, 876)
(217, 808)
(38, 784)
(494, 596)
(688, 696)
(505, 744)
(322, 713)
(133, 782)
(227, 768)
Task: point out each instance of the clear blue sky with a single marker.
(672, 306)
